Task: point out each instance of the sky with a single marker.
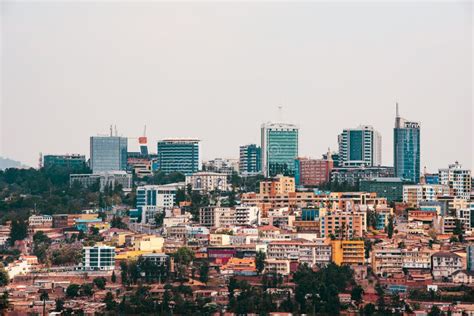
(217, 70)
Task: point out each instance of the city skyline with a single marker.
(327, 74)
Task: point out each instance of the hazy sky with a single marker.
(216, 71)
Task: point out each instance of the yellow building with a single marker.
(348, 252)
(278, 185)
(148, 243)
(219, 239)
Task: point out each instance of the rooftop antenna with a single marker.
(111, 133)
(115, 127)
(280, 116)
(396, 105)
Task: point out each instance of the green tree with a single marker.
(435, 311)
(109, 301)
(19, 231)
(113, 278)
(390, 227)
(100, 282)
(369, 309)
(59, 305)
(4, 301)
(41, 243)
(86, 289)
(260, 261)
(356, 293)
(4, 278)
(204, 272)
(72, 290)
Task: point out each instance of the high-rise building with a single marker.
(406, 149)
(108, 153)
(250, 162)
(458, 180)
(312, 172)
(179, 155)
(360, 146)
(74, 161)
(279, 148)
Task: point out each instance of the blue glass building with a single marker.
(250, 160)
(279, 148)
(406, 149)
(179, 155)
(108, 153)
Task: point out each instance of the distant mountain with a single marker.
(9, 163)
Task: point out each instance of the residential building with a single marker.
(361, 146)
(312, 172)
(389, 188)
(444, 264)
(458, 180)
(157, 258)
(207, 181)
(40, 221)
(351, 252)
(279, 142)
(353, 175)
(212, 216)
(301, 250)
(250, 160)
(179, 155)
(278, 185)
(108, 153)
(104, 179)
(343, 224)
(247, 215)
(406, 149)
(278, 266)
(417, 258)
(416, 193)
(387, 259)
(98, 258)
(70, 161)
(221, 165)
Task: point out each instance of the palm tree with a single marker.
(43, 297)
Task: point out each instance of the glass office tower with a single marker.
(361, 146)
(406, 149)
(279, 148)
(108, 153)
(179, 155)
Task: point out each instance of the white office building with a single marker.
(458, 180)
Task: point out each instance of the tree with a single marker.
(72, 290)
(369, 309)
(390, 227)
(109, 301)
(4, 278)
(435, 311)
(184, 256)
(19, 231)
(113, 278)
(356, 293)
(4, 302)
(59, 305)
(117, 223)
(41, 243)
(86, 289)
(204, 272)
(100, 282)
(159, 217)
(260, 261)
